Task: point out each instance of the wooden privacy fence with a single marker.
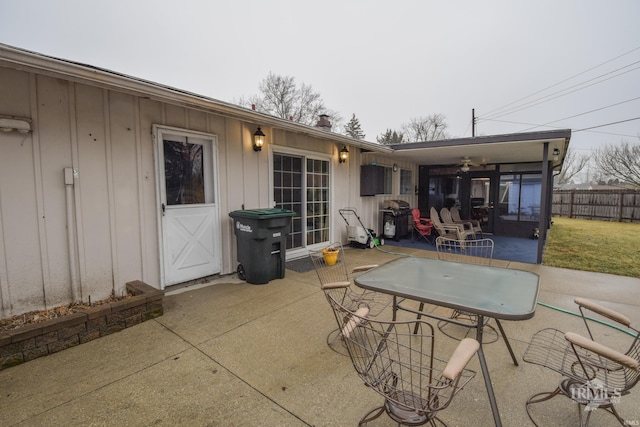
(603, 205)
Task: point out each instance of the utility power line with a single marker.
(562, 81)
(572, 130)
(608, 124)
(585, 113)
(548, 98)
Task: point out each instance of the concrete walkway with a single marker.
(235, 354)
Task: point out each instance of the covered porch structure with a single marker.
(505, 181)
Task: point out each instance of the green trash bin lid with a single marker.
(262, 213)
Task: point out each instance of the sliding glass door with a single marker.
(301, 184)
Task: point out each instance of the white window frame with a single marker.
(305, 154)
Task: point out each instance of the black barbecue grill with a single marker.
(395, 219)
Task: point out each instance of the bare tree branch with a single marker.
(280, 96)
(573, 165)
(430, 128)
(621, 162)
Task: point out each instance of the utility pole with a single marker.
(473, 122)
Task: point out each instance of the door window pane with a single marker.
(184, 175)
(479, 193)
(317, 201)
(287, 192)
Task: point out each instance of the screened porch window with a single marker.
(520, 197)
(301, 184)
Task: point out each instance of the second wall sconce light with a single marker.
(556, 153)
(258, 140)
(344, 155)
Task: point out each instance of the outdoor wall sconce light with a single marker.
(258, 140)
(556, 154)
(8, 124)
(344, 155)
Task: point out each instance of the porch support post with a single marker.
(543, 220)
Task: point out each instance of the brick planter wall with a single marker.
(40, 339)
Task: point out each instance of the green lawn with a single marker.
(601, 246)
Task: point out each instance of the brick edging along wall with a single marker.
(40, 339)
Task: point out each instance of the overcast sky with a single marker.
(385, 61)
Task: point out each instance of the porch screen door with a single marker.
(481, 200)
(190, 217)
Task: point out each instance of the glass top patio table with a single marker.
(495, 292)
(486, 291)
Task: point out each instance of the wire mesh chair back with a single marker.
(331, 267)
(400, 365)
(594, 376)
(476, 251)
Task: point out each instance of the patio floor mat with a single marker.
(300, 265)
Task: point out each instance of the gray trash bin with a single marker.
(262, 243)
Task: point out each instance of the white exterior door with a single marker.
(189, 212)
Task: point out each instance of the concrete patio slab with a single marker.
(234, 354)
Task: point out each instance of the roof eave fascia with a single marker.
(80, 73)
(541, 136)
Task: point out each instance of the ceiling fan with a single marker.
(466, 163)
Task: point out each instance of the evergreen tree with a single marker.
(353, 128)
(390, 137)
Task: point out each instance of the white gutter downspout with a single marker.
(76, 290)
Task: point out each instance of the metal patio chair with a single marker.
(335, 281)
(401, 366)
(595, 376)
(471, 251)
(455, 216)
(475, 251)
